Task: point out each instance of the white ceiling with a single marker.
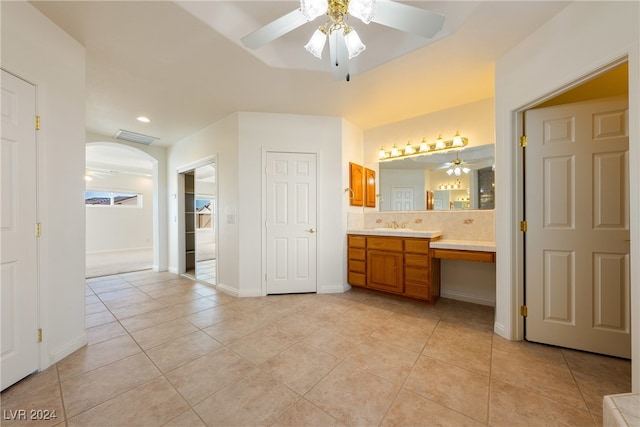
(155, 58)
(117, 159)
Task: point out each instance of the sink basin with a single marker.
(393, 229)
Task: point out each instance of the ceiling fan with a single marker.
(456, 167)
(344, 42)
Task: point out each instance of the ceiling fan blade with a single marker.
(275, 29)
(408, 18)
(338, 56)
(443, 166)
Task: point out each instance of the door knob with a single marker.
(311, 230)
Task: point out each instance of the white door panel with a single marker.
(19, 263)
(402, 198)
(291, 222)
(577, 210)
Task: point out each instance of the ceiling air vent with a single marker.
(135, 137)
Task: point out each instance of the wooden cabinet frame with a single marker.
(362, 186)
(398, 265)
(369, 188)
(356, 184)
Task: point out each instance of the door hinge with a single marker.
(38, 229)
(39, 334)
(37, 124)
(524, 226)
(523, 311)
(523, 141)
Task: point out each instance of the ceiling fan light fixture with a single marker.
(354, 44)
(317, 42)
(311, 9)
(364, 10)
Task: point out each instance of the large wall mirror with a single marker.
(430, 182)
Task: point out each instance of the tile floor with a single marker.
(167, 351)
(205, 271)
(99, 264)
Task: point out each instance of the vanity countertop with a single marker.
(401, 232)
(465, 245)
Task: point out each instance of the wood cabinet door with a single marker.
(369, 188)
(385, 271)
(356, 184)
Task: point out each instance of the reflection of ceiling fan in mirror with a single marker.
(344, 42)
(456, 167)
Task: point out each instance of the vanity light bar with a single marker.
(424, 148)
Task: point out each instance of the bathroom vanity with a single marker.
(407, 262)
(394, 261)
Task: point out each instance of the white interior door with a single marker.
(19, 263)
(577, 208)
(402, 198)
(291, 222)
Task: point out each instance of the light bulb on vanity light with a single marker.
(394, 151)
(408, 149)
(457, 140)
(439, 143)
(424, 147)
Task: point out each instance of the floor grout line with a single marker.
(332, 319)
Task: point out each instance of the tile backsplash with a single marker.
(456, 225)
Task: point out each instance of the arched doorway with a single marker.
(121, 206)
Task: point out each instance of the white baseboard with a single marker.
(251, 293)
(76, 344)
(173, 270)
(109, 251)
(468, 298)
(333, 289)
(227, 289)
(498, 329)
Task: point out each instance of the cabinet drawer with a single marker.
(416, 260)
(476, 256)
(417, 291)
(385, 244)
(355, 253)
(356, 266)
(356, 241)
(416, 246)
(418, 275)
(356, 279)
